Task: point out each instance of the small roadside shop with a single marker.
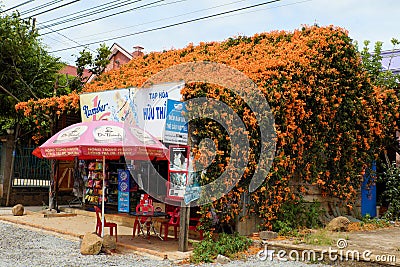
(158, 111)
(115, 173)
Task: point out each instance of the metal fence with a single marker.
(30, 171)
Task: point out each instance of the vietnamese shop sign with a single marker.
(176, 126)
(152, 106)
(144, 107)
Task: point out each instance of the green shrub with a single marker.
(297, 214)
(391, 177)
(225, 244)
(379, 223)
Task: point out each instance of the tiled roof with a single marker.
(71, 70)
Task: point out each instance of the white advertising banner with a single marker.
(112, 105)
(144, 107)
(152, 106)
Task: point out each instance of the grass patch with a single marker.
(320, 237)
(225, 244)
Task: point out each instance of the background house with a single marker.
(72, 71)
(120, 56)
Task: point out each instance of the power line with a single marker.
(40, 7)
(58, 41)
(177, 16)
(174, 2)
(158, 20)
(54, 8)
(172, 25)
(55, 40)
(92, 12)
(107, 16)
(66, 37)
(24, 3)
(78, 12)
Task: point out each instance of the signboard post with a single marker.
(123, 190)
(176, 126)
(177, 171)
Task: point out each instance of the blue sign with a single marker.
(123, 190)
(192, 193)
(176, 126)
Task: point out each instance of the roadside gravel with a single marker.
(22, 246)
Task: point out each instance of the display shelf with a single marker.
(122, 190)
(94, 184)
(94, 187)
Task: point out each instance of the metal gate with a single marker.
(30, 171)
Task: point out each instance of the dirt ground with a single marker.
(83, 222)
(379, 246)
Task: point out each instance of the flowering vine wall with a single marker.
(330, 121)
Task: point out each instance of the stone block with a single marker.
(109, 242)
(338, 224)
(91, 244)
(222, 259)
(18, 210)
(267, 235)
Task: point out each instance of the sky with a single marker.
(373, 20)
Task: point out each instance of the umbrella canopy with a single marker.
(102, 140)
(98, 139)
(36, 152)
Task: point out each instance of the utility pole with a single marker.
(184, 227)
(53, 189)
(11, 177)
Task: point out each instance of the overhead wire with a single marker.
(66, 37)
(87, 47)
(153, 6)
(107, 16)
(43, 6)
(93, 12)
(54, 8)
(78, 12)
(14, 7)
(40, 7)
(172, 25)
(167, 18)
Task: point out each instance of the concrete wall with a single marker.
(36, 196)
(333, 208)
(29, 196)
(247, 226)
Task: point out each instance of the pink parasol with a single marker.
(36, 152)
(103, 140)
(95, 139)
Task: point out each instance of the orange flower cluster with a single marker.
(330, 122)
(42, 112)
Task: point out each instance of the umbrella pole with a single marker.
(102, 197)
